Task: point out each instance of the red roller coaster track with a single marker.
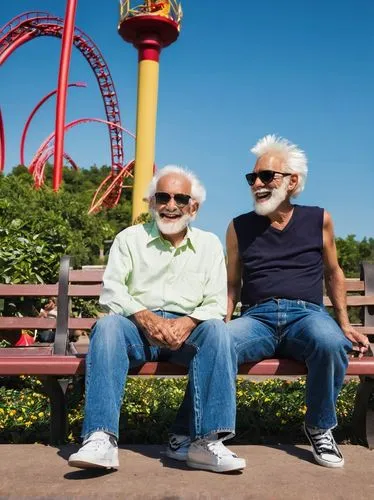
(30, 25)
(107, 196)
(2, 143)
(39, 179)
(33, 113)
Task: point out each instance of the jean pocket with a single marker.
(313, 307)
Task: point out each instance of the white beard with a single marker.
(278, 195)
(171, 228)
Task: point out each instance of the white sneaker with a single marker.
(324, 448)
(99, 451)
(178, 447)
(214, 456)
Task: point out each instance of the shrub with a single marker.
(267, 411)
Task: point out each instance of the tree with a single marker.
(37, 227)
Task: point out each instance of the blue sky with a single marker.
(303, 70)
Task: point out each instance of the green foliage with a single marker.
(352, 252)
(268, 410)
(37, 227)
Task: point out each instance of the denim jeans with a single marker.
(306, 332)
(117, 344)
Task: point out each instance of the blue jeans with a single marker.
(117, 344)
(304, 331)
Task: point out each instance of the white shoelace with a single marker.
(324, 441)
(218, 449)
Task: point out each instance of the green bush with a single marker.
(267, 411)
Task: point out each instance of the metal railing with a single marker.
(171, 9)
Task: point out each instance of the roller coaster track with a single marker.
(39, 178)
(2, 143)
(33, 113)
(111, 194)
(30, 25)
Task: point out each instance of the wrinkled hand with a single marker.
(158, 330)
(360, 342)
(182, 328)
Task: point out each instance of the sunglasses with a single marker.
(265, 176)
(181, 200)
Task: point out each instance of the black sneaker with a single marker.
(324, 448)
(178, 447)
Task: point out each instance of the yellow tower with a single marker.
(150, 27)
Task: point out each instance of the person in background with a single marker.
(49, 310)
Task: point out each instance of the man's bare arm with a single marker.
(335, 285)
(234, 270)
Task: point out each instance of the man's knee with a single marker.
(110, 329)
(212, 331)
(330, 342)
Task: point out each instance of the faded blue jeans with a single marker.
(303, 331)
(117, 344)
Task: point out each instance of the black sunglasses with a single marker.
(181, 200)
(265, 176)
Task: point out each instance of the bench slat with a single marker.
(28, 290)
(354, 285)
(32, 350)
(16, 323)
(82, 276)
(354, 300)
(72, 365)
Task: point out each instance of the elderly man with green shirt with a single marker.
(165, 290)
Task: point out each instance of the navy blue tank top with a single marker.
(284, 263)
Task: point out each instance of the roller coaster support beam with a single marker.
(67, 44)
(2, 144)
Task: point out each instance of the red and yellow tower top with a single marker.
(149, 26)
(161, 17)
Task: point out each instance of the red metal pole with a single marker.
(32, 114)
(67, 44)
(2, 143)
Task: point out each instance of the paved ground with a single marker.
(273, 472)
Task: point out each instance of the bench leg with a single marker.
(363, 414)
(55, 389)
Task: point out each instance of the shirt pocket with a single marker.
(191, 286)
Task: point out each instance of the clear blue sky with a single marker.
(303, 70)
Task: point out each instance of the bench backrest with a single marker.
(86, 283)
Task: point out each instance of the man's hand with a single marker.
(182, 328)
(158, 330)
(360, 342)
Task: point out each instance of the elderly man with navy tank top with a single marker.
(278, 255)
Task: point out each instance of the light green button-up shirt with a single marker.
(145, 271)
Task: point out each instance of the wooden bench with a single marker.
(56, 363)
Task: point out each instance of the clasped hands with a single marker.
(164, 332)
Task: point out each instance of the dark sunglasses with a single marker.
(181, 200)
(265, 176)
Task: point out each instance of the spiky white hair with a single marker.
(293, 156)
(198, 192)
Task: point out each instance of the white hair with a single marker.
(294, 157)
(198, 192)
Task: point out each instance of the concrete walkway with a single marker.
(273, 472)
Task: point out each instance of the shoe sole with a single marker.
(217, 468)
(83, 464)
(319, 460)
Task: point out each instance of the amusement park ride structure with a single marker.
(149, 26)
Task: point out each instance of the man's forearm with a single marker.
(232, 299)
(335, 285)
